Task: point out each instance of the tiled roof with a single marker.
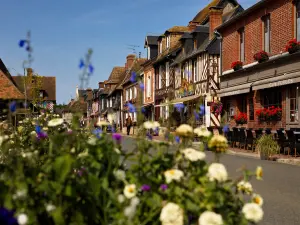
(77, 106)
(8, 90)
(201, 29)
(177, 29)
(116, 75)
(137, 66)
(168, 51)
(48, 85)
(202, 15)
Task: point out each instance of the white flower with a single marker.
(257, 199)
(55, 122)
(171, 214)
(73, 150)
(184, 130)
(20, 194)
(148, 125)
(83, 154)
(120, 174)
(193, 155)
(117, 150)
(33, 132)
(45, 128)
(135, 201)
(129, 211)
(210, 218)
(202, 132)
(253, 212)
(121, 198)
(156, 124)
(130, 191)
(217, 171)
(92, 141)
(1, 140)
(22, 219)
(173, 174)
(50, 207)
(245, 186)
(103, 123)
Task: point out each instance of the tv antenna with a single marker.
(133, 48)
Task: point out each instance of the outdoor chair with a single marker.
(229, 135)
(258, 133)
(250, 140)
(291, 139)
(268, 131)
(220, 130)
(282, 141)
(235, 136)
(242, 138)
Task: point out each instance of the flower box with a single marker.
(237, 65)
(241, 118)
(293, 46)
(261, 56)
(269, 114)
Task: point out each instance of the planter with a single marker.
(237, 68)
(293, 50)
(237, 65)
(293, 46)
(261, 57)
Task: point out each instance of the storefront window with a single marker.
(271, 97)
(293, 96)
(251, 109)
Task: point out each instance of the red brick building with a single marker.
(268, 25)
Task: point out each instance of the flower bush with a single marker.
(293, 46)
(241, 118)
(216, 108)
(55, 174)
(271, 113)
(261, 56)
(237, 65)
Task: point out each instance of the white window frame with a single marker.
(168, 41)
(160, 47)
(135, 92)
(148, 53)
(298, 21)
(130, 94)
(148, 85)
(195, 64)
(159, 77)
(167, 74)
(242, 44)
(267, 33)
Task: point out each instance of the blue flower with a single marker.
(226, 129)
(179, 106)
(177, 139)
(202, 110)
(22, 43)
(38, 129)
(7, 217)
(133, 77)
(91, 68)
(97, 132)
(28, 49)
(149, 136)
(131, 108)
(142, 86)
(197, 116)
(13, 106)
(81, 64)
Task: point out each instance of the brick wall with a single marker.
(282, 30)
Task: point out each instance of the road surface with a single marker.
(280, 187)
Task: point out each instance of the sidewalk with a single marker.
(245, 153)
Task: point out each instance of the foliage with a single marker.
(271, 113)
(66, 175)
(241, 118)
(267, 146)
(236, 65)
(293, 46)
(261, 56)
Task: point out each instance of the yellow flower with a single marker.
(173, 174)
(257, 199)
(218, 143)
(245, 187)
(20, 129)
(259, 173)
(184, 130)
(130, 191)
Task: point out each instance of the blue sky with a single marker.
(62, 32)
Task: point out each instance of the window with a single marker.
(148, 53)
(195, 71)
(149, 86)
(110, 102)
(195, 43)
(243, 106)
(166, 112)
(127, 95)
(135, 92)
(159, 77)
(107, 103)
(298, 20)
(271, 97)
(293, 97)
(251, 108)
(160, 47)
(242, 44)
(266, 23)
(102, 105)
(168, 41)
(130, 93)
(167, 74)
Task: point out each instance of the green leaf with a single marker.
(58, 216)
(68, 190)
(62, 167)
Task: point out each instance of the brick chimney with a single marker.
(192, 25)
(215, 19)
(101, 84)
(29, 71)
(129, 61)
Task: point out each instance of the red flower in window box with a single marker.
(292, 46)
(237, 65)
(261, 56)
(271, 113)
(241, 118)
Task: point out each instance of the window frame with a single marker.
(297, 20)
(242, 44)
(167, 74)
(160, 47)
(267, 40)
(168, 41)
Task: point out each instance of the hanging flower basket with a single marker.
(293, 46)
(216, 108)
(261, 56)
(241, 118)
(237, 65)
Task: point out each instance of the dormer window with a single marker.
(168, 41)
(160, 47)
(195, 43)
(148, 53)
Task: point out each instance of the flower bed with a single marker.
(241, 118)
(237, 65)
(269, 114)
(53, 174)
(293, 46)
(261, 56)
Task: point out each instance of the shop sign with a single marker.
(281, 83)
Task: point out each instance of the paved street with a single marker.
(280, 187)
